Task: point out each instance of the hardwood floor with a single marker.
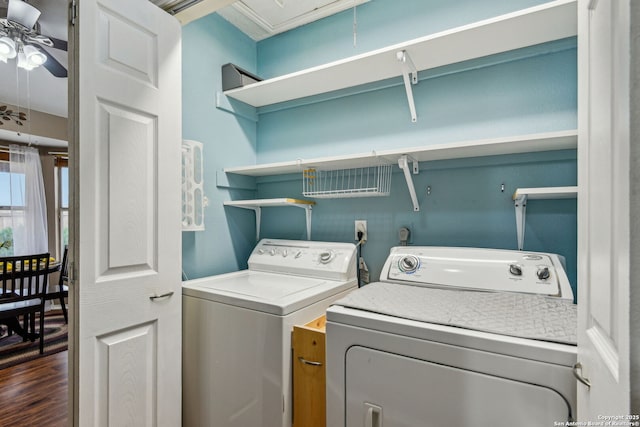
(35, 393)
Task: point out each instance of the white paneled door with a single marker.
(126, 80)
(604, 210)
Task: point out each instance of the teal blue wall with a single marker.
(466, 207)
(528, 91)
(228, 140)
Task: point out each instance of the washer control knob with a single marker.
(272, 252)
(285, 253)
(409, 264)
(260, 251)
(515, 269)
(543, 273)
(298, 254)
(326, 257)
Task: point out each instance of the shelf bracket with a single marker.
(410, 76)
(522, 195)
(257, 205)
(307, 211)
(258, 211)
(520, 202)
(403, 162)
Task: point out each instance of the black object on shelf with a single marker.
(234, 77)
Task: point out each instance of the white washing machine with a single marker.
(454, 337)
(237, 330)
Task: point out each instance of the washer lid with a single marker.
(267, 292)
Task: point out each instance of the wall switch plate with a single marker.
(361, 225)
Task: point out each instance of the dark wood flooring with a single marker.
(34, 393)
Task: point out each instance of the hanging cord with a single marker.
(17, 90)
(28, 107)
(355, 23)
(359, 247)
(362, 272)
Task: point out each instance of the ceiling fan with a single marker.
(20, 38)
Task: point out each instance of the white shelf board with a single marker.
(549, 141)
(546, 193)
(540, 24)
(522, 195)
(263, 203)
(256, 205)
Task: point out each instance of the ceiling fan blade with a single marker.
(22, 13)
(58, 43)
(52, 64)
(38, 37)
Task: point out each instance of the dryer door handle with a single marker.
(577, 373)
(373, 415)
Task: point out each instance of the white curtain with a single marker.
(28, 203)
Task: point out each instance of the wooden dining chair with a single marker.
(24, 283)
(63, 288)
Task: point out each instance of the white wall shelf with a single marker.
(256, 205)
(549, 141)
(546, 193)
(522, 195)
(560, 140)
(540, 24)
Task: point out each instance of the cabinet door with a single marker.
(309, 376)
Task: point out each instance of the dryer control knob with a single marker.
(515, 269)
(409, 264)
(285, 253)
(543, 273)
(325, 257)
(272, 252)
(260, 251)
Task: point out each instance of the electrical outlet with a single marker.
(361, 225)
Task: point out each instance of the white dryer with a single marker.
(237, 330)
(454, 337)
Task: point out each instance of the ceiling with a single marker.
(37, 89)
(40, 90)
(260, 19)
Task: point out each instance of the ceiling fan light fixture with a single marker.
(20, 38)
(34, 56)
(22, 13)
(23, 63)
(7, 47)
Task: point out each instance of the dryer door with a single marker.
(388, 390)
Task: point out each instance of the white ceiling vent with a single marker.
(260, 19)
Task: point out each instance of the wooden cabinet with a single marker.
(309, 374)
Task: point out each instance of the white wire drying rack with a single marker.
(368, 181)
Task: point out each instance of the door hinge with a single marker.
(73, 12)
(71, 271)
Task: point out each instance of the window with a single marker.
(11, 189)
(62, 202)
